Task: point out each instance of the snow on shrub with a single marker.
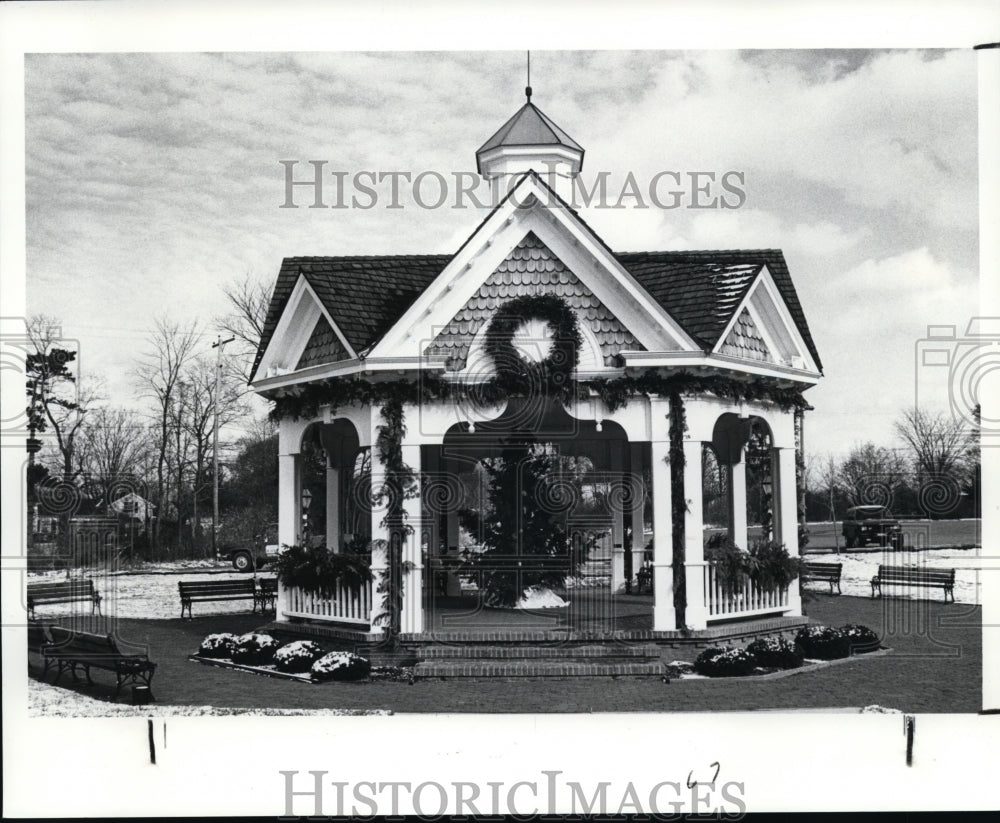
(775, 653)
(861, 638)
(717, 662)
(823, 643)
(255, 649)
(297, 656)
(218, 645)
(341, 666)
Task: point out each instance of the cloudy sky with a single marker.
(153, 180)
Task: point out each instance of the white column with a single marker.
(617, 466)
(695, 613)
(289, 500)
(412, 618)
(333, 509)
(786, 515)
(289, 522)
(664, 616)
(738, 503)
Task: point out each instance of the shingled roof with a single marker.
(366, 295)
(701, 289)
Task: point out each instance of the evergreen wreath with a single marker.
(553, 376)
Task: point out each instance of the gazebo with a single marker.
(399, 380)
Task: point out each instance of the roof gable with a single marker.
(696, 294)
(703, 289)
(531, 268)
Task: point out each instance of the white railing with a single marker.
(745, 600)
(344, 605)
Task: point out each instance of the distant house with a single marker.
(134, 506)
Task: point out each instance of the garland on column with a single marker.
(678, 427)
(399, 485)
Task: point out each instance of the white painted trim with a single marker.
(495, 239)
(344, 368)
(288, 341)
(764, 280)
(641, 359)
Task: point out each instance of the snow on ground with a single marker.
(153, 596)
(537, 597)
(860, 568)
(146, 596)
(45, 700)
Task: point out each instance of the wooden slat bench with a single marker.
(915, 576)
(206, 590)
(69, 649)
(69, 591)
(267, 593)
(824, 573)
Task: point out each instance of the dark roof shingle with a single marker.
(366, 295)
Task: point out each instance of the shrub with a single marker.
(775, 653)
(861, 638)
(341, 666)
(298, 656)
(716, 662)
(255, 649)
(823, 643)
(218, 645)
(319, 570)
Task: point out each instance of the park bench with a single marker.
(68, 591)
(915, 576)
(267, 593)
(207, 590)
(824, 573)
(69, 649)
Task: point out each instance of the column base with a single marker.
(664, 614)
(695, 612)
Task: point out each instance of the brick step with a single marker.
(611, 651)
(536, 668)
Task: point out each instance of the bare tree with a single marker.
(828, 473)
(939, 443)
(112, 448)
(872, 474)
(248, 298)
(198, 410)
(171, 347)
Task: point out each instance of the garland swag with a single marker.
(514, 376)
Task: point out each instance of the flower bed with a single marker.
(767, 655)
(297, 660)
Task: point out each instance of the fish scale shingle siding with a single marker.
(323, 347)
(530, 268)
(744, 340)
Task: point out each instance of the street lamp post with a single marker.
(219, 345)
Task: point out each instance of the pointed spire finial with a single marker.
(527, 89)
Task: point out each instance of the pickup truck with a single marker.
(871, 524)
(264, 551)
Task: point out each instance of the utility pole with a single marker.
(219, 345)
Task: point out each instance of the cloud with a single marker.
(153, 179)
